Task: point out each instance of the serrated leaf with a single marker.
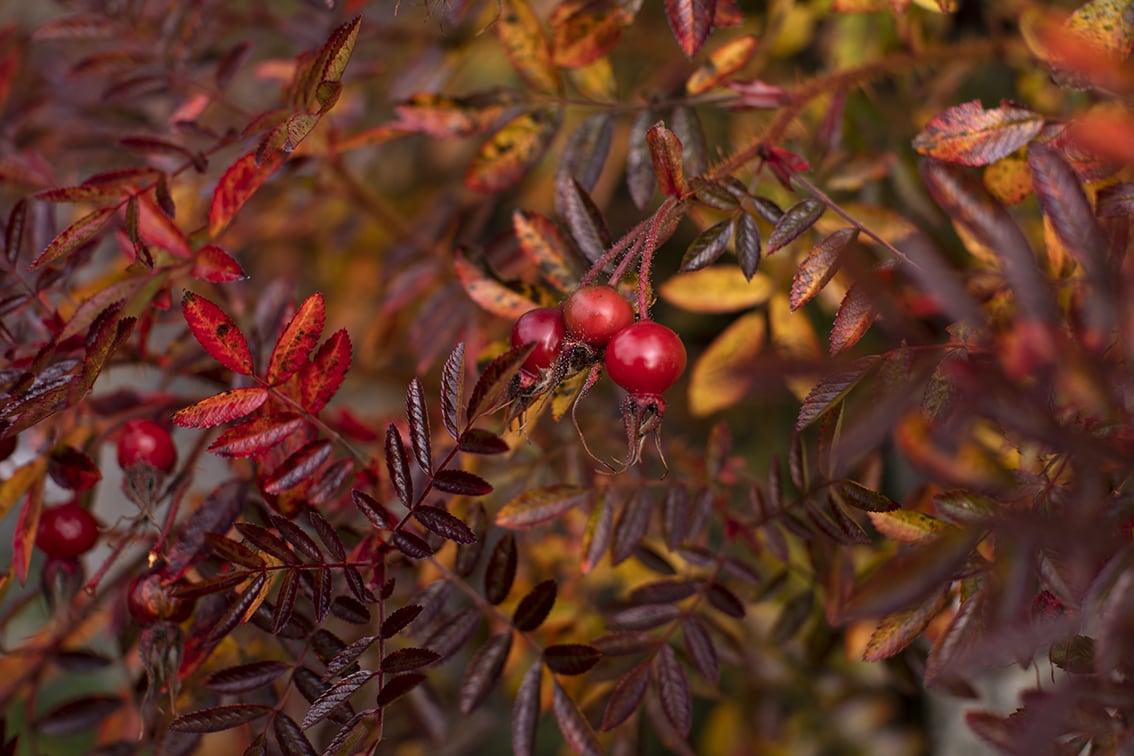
(492, 386)
(291, 737)
(571, 658)
(968, 134)
(14, 230)
(666, 154)
(398, 686)
(859, 496)
(454, 632)
(213, 264)
(673, 690)
(461, 483)
(707, 247)
(82, 193)
(525, 712)
(417, 417)
(500, 573)
(747, 244)
(443, 524)
(297, 340)
(256, 436)
(722, 63)
(855, 315)
(298, 466)
(381, 517)
(406, 659)
(722, 375)
(216, 332)
(234, 551)
(794, 223)
(267, 541)
(397, 464)
(540, 505)
(700, 648)
(336, 694)
(399, 620)
(832, 389)
(521, 36)
(221, 408)
(820, 266)
(513, 149)
(245, 678)
(321, 378)
(219, 718)
(493, 296)
(573, 725)
(484, 670)
(544, 245)
(716, 289)
(479, 441)
(295, 535)
(238, 183)
(411, 545)
(896, 632)
(74, 236)
(626, 697)
(585, 154)
(533, 608)
(691, 22)
(907, 527)
(633, 521)
(453, 390)
(584, 219)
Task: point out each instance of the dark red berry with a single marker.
(148, 601)
(66, 531)
(593, 314)
(544, 326)
(145, 441)
(645, 358)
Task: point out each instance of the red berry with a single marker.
(544, 326)
(645, 358)
(66, 531)
(595, 313)
(148, 601)
(146, 441)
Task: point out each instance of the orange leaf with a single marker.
(238, 183)
(522, 38)
(665, 152)
(297, 340)
(215, 265)
(217, 333)
(584, 31)
(221, 408)
(513, 150)
(74, 236)
(899, 630)
(543, 243)
(970, 135)
(722, 63)
(820, 266)
(489, 293)
(156, 229)
(323, 375)
(256, 436)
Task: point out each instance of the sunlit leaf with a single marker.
(722, 375)
(1008, 180)
(666, 155)
(221, 408)
(543, 244)
(896, 632)
(716, 289)
(213, 264)
(513, 149)
(969, 134)
(297, 340)
(722, 63)
(908, 527)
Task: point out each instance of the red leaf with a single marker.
(665, 152)
(970, 135)
(487, 292)
(72, 469)
(691, 22)
(298, 466)
(215, 265)
(157, 230)
(297, 340)
(626, 697)
(256, 436)
(238, 183)
(217, 333)
(74, 236)
(321, 378)
(221, 408)
(820, 266)
(577, 731)
(855, 316)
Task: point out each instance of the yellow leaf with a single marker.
(14, 488)
(513, 150)
(795, 340)
(522, 37)
(596, 80)
(721, 288)
(907, 527)
(1009, 180)
(723, 63)
(723, 373)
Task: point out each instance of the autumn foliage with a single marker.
(582, 375)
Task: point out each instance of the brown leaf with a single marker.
(577, 731)
(673, 690)
(896, 632)
(533, 608)
(571, 658)
(501, 570)
(820, 266)
(583, 32)
(855, 316)
(217, 333)
(527, 49)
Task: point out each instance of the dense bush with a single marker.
(841, 419)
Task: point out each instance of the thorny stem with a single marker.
(648, 250)
(612, 254)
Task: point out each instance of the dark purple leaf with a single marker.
(631, 527)
(673, 690)
(291, 738)
(584, 219)
(296, 468)
(708, 246)
(14, 231)
(335, 695)
(285, 601)
(639, 165)
(296, 537)
(571, 658)
(327, 535)
(216, 514)
(576, 730)
(396, 687)
(625, 643)
(484, 670)
(501, 570)
(644, 617)
(700, 648)
(397, 464)
(461, 483)
(535, 606)
(236, 611)
(663, 592)
(798, 218)
(747, 242)
(374, 511)
(675, 515)
(345, 660)
(406, 659)
(245, 678)
(493, 383)
(687, 126)
(78, 715)
(411, 545)
(234, 551)
(417, 416)
(725, 601)
(478, 441)
(585, 153)
(626, 697)
(215, 584)
(350, 610)
(468, 554)
(525, 712)
(443, 524)
(454, 632)
(219, 718)
(267, 541)
(795, 613)
(831, 389)
(453, 391)
(399, 620)
(321, 592)
(540, 505)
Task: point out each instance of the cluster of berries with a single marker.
(643, 357)
(67, 531)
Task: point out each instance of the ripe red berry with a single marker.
(544, 326)
(148, 601)
(146, 441)
(66, 531)
(645, 358)
(595, 313)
